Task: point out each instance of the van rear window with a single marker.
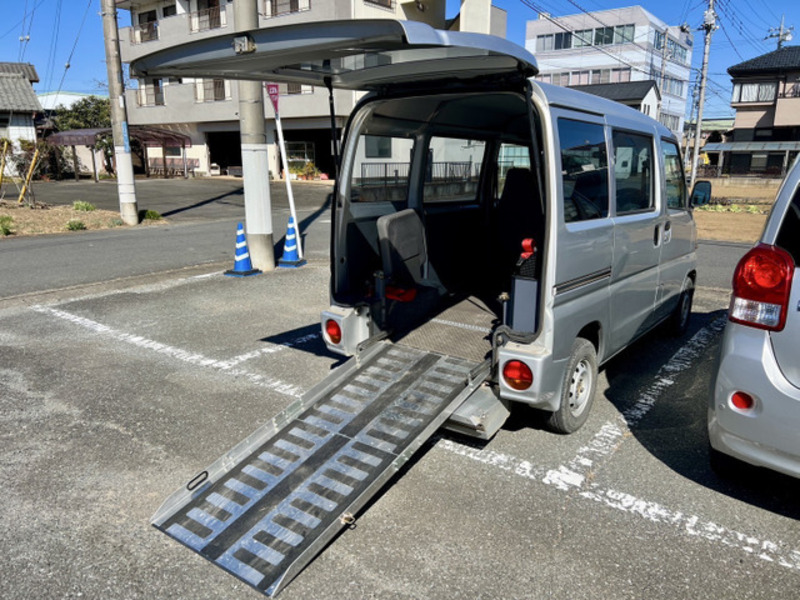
(633, 172)
(584, 170)
(381, 169)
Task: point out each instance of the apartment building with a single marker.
(206, 110)
(766, 130)
(616, 46)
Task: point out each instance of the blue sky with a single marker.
(71, 30)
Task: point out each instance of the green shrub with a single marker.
(6, 223)
(753, 209)
(735, 208)
(116, 222)
(84, 206)
(75, 225)
(151, 215)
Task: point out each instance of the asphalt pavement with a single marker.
(128, 363)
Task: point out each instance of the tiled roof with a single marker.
(620, 92)
(784, 59)
(27, 70)
(16, 94)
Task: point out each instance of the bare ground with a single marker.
(38, 219)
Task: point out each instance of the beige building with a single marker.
(766, 131)
(206, 110)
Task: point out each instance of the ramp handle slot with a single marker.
(197, 480)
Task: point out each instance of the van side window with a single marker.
(453, 170)
(509, 157)
(674, 176)
(633, 171)
(381, 169)
(584, 170)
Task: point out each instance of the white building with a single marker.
(207, 109)
(613, 46)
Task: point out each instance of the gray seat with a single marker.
(402, 244)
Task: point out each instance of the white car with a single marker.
(754, 414)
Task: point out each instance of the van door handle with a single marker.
(667, 232)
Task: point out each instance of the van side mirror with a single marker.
(701, 193)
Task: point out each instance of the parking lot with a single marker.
(114, 396)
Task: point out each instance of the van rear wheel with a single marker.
(577, 391)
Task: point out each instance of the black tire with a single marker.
(682, 315)
(577, 390)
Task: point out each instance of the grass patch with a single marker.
(83, 206)
(150, 215)
(75, 225)
(6, 224)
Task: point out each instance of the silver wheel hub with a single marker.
(580, 387)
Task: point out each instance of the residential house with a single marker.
(641, 95)
(616, 46)
(207, 109)
(18, 102)
(766, 130)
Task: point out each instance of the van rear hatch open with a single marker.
(364, 54)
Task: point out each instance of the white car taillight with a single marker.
(761, 286)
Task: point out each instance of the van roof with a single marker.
(556, 95)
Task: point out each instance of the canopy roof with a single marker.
(151, 137)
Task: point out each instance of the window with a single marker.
(453, 170)
(384, 3)
(385, 179)
(582, 38)
(376, 146)
(5, 122)
(633, 172)
(603, 36)
(623, 34)
(544, 43)
(211, 90)
(788, 237)
(670, 121)
(584, 170)
(674, 176)
(275, 8)
(672, 86)
(511, 156)
(563, 40)
(620, 75)
(754, 92)
(151, 92)
(169, 10)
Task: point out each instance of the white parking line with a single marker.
(192, 358)
(613, 433)
(692, 525)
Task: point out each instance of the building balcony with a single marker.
(145, 38)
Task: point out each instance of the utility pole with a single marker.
(255, 166)
(783, 35)
(709, 26)
(128, 209)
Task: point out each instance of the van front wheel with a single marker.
(577, 391)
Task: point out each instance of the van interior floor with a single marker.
(463, 330)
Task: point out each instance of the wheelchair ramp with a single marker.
(265, 509)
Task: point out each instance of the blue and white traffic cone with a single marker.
(290, 259)
(242, 267)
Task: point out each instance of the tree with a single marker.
(88, 113)
(91, 112)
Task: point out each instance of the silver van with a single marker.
(479, 213)
(493, 240)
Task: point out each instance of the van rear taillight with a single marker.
(761, 286)
(333, 331)
(517, 375)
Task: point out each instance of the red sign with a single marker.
(272, 90)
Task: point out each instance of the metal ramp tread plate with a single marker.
(268, 507)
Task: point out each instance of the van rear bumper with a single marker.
(548, 375)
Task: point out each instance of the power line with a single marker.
(74, 45)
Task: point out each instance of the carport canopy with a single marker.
(152, 137)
